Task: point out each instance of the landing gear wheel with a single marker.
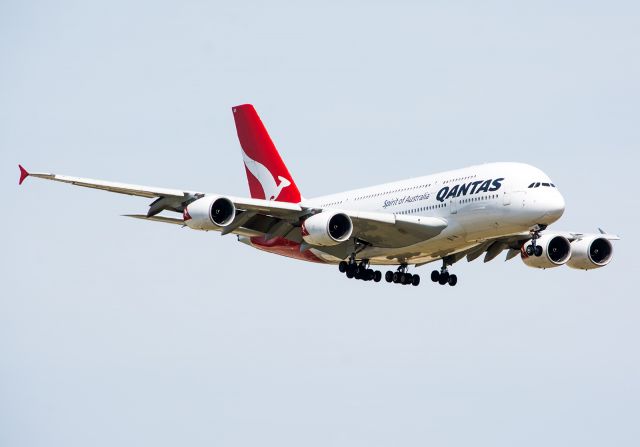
(538, 251)
(377, 276)
(408, 277)
(415, 280)
(350, 273)
(530, 250)
(388, 276)
(396, 277)
(342, 266)
(444, 278)
(435, 276)
(453, 280)
(370, 275)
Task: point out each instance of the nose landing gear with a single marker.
(534, 249)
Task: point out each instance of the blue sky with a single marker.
(114, 331)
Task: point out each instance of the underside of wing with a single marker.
(386, 230)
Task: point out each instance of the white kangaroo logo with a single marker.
(264, 176)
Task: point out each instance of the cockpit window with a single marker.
(537, 185)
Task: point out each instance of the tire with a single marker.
(415, 280)
(408, 278)
(370, 274)
(350, 273)
(396, 277)
(453, 280)
(538, 251)
(444, 278)
(388, 276)
(377, 276)
(435, 276)
(530, 250)
(342, 266)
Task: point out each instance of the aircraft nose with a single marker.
(555, 206)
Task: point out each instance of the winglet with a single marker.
(23, 174)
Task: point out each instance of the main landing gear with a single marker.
(361, 270)
(401, 276)
(443, 277)
(534, 249)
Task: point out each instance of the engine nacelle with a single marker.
(556, 251)
(327, 228)
(590, 253)
(209, 213)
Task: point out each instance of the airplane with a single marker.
(485, 209)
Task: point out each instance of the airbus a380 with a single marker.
(485, 209)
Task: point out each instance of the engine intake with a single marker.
(327, 229)
(556, 251)
(209, 213)
(590, 253)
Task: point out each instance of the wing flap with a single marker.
(170, 220)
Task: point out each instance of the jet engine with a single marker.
(327, 228)
(591, 252)
(556, 251)
(209, 213)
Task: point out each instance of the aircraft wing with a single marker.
(168, 199)
(493, 247)
(259, 217)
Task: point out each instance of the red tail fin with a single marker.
(267, 174)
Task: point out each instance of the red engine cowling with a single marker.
(556, 251)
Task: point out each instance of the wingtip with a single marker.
(23, 174)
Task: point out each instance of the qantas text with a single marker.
(469, 188)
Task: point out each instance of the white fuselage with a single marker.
(479, 203)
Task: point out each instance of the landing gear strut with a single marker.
(534, 249)
(443, 276)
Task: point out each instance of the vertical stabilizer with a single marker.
(267, 174)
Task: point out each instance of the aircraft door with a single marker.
(506, 199)
(453, 205)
